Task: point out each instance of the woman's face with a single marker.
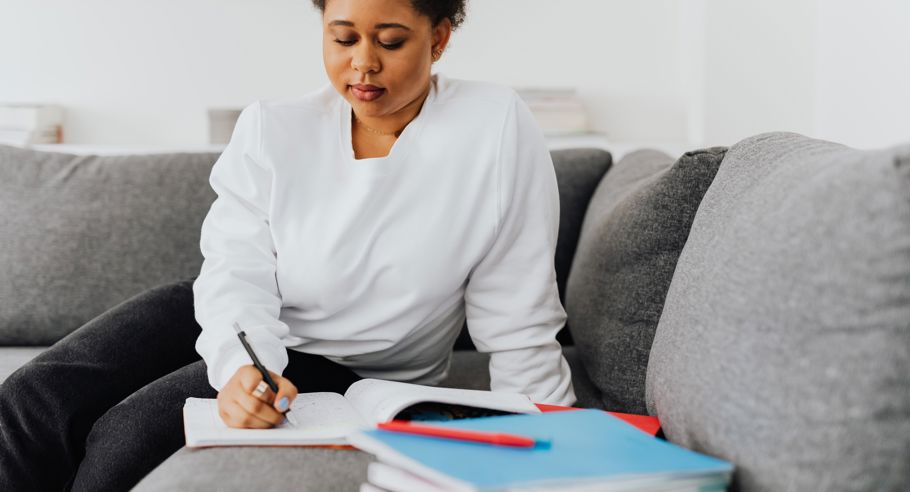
(377, 53)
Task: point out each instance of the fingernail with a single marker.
(283, 403)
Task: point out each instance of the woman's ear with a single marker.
(441, 34)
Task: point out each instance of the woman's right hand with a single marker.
(240, 408)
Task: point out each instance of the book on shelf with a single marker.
(557, 111)
(52, 135)
(328, 418)
(26, 124)
(16, 116)
(586, 450)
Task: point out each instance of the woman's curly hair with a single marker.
(436, 10)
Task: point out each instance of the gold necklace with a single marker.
(373, 130)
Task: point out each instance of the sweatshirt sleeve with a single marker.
(511, 300)
(237, 281)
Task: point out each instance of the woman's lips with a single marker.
(367, 92)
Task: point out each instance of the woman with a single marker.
(355, 230)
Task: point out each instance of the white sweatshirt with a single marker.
(376, 263)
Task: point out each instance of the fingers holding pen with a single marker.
(247, 402)
(287, 392)
(281, 401)
(261, 393)
(236, 416)
(259, 408)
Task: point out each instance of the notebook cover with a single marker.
(645, 423)
(586, 446)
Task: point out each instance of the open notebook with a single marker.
(328, 418)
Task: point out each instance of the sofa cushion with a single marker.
(259, 468)
(243, 468)
(635, 227)
(578, 171)
(471, 370)
(784, 344)
(79, 234)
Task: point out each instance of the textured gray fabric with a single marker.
(259, 469)
(588, 396)
(636, 225)
(79, 234)
(784, 344)
(12, 358)
(470, 370)
(578, 171)
(313, 468)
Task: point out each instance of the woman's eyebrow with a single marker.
(383, 25)
(391, 25)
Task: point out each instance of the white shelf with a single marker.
(83, 149)
(617, 149)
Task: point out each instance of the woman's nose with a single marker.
(365, 59)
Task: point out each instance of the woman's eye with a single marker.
(392, 46)
(346, 42)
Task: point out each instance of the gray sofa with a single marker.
(756, 299)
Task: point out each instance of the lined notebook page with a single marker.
(323, 418)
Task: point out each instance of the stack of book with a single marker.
(27, 124)
(221, 124)
(579, 450)
(557, 111)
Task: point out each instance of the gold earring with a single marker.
(437, 53)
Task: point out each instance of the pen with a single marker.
(265, 374)
(494, 438)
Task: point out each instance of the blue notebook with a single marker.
(586, 447)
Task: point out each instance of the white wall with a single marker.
(759, 68)
(704, 72)
(139, 72)
(620, 54)
(863, 72)
(832, 69)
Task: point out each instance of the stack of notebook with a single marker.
(583, 450)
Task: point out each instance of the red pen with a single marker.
(494, 438)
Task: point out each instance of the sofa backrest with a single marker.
(635, 227)
(784, 343)
(80, 234)
(578, 172)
